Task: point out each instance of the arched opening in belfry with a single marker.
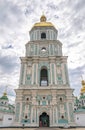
(44, 77)
(43, 35)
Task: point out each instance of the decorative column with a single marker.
(51, 72)
(49, 50)
(63, 73)
(53, 115)
(20, 116)
(23, 71)
(21, 74)
(24, 78)
(55, 73)
(68, 111)
(53, 50)
(32, 73)
(37, 73)
(66, 73)
(49, 75)
(37, 117)
(53, 76)
(56, 115)
(34, 114)
(31, 113)
(17, 112)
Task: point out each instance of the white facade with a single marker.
(6, 119)
(79, 109)
(44, 96)
(80, 118)
(7, 113)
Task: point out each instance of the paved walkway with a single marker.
(41, 128)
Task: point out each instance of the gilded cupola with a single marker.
(43, 30)
(43, 22)
(4, 97)
(83, 87)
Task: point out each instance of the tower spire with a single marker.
(5, 92)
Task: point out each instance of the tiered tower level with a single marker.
(44, 96)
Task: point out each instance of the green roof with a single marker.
(4, 98)
(82, 96)
(80, 110)
(76, 101)
(8, 111)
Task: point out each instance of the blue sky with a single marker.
(16, 19)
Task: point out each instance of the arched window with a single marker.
(43, 77)
(26, 117)
(62, 117)
(43, 35)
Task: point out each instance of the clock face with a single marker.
(43, 51)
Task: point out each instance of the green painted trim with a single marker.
(25, 121)
(28, 79)
(4, 98)
(8, 111)
(63, 121)
(80, 110)
(44, 103)
(82, 96)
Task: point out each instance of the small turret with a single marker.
(83, 87)
(4, 99)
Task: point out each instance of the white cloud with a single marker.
(16, 20)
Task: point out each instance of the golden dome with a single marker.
(83, 86)
(43, 23)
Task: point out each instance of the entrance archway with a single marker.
(44, 120)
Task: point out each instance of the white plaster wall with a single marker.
(80, 119)
(7, 122)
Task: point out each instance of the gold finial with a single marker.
(5, 92)
(83, 82)
(43, 17)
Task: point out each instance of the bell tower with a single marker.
(44, 96)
